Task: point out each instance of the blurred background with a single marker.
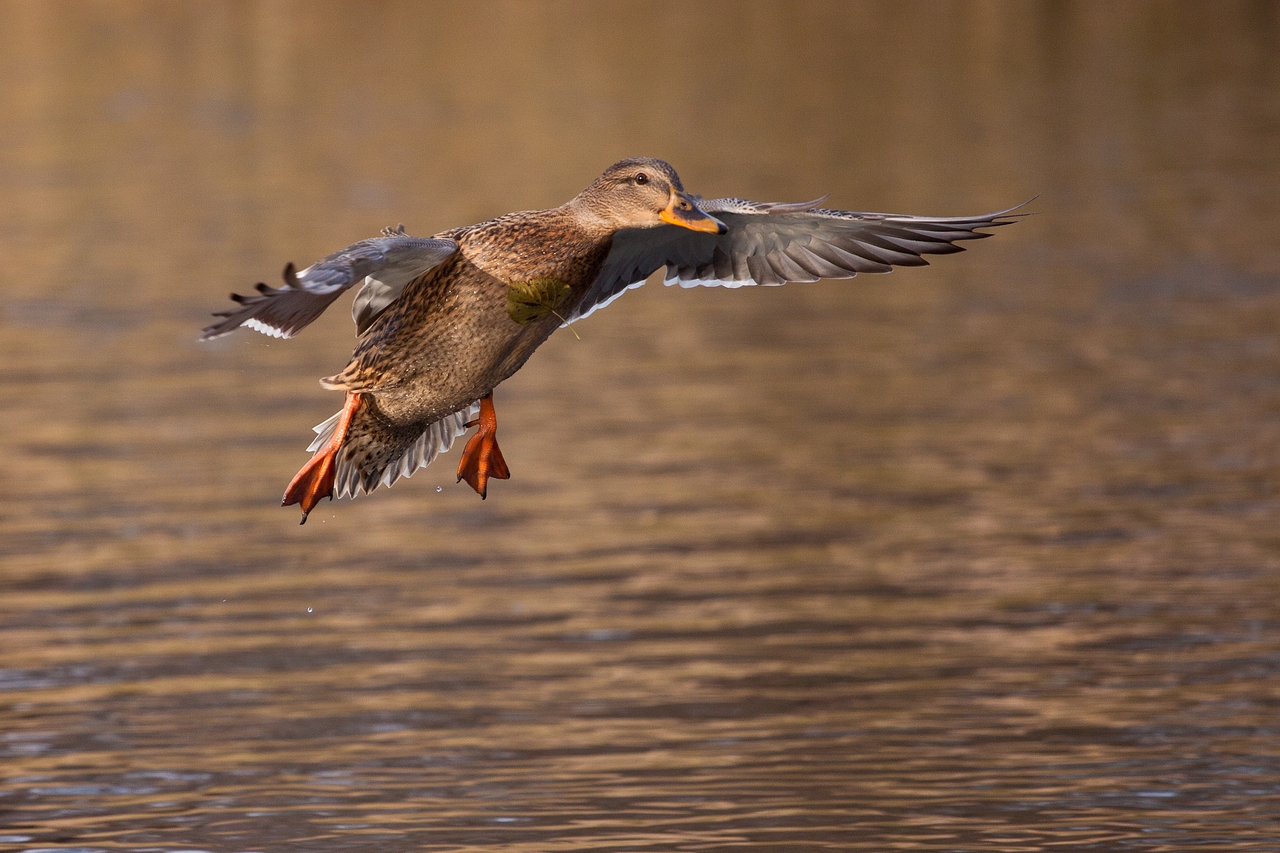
(982, 555)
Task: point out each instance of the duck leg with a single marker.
(482, 459)
(315, 480)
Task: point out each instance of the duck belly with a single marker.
(452, 378)
(441, 350)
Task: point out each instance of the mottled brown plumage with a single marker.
(444, 320)
(448, 340)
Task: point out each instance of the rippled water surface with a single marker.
(980, 556)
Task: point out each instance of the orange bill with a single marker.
(683, 212)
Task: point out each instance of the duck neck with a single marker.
(590, 218)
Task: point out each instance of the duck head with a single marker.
(643, 193)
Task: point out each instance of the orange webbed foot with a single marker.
(315, 481)
(481, 459)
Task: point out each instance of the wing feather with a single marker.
(384, 265)
(813, 263)
(771, 243)
(787, 269)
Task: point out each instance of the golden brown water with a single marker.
(982, 556)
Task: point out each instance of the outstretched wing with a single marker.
(774, 243)
(385, 265)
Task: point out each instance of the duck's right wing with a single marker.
(384, 264)
(772, 243)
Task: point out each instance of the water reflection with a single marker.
(971, 557)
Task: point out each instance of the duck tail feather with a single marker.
(324, 432)
(378, 453)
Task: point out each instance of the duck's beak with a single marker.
(683, 212)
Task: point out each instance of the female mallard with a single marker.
(442, 320)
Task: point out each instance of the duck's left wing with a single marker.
(774, 243)
(384, 265)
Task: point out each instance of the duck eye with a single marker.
(641, 178)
